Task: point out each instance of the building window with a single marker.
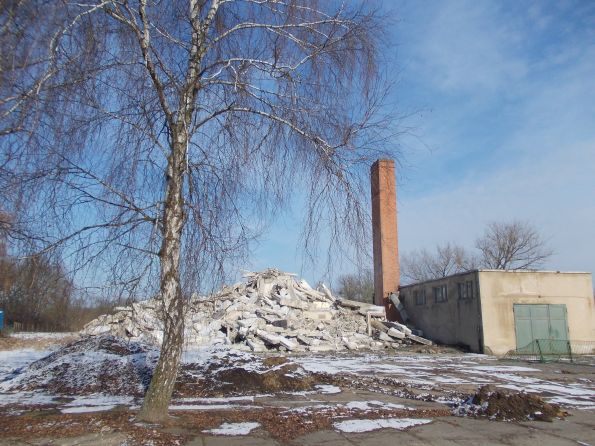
(466, 289)
(420, 296)
(439, 293)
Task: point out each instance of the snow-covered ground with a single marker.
(447, 373)
(450, 371)
(16, 359)
(38, 335)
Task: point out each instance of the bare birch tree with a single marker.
(149, 139)
(514, 245)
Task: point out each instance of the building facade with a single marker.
(494, 311)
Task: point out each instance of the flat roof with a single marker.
(464, 273)
(531, 271)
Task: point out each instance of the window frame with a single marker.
(465, 290)
(419, 296)
(440, 293)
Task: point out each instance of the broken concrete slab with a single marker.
(420, 340)
(318, 315)
(384, 337)
(394, 333)
(353, 304)
(378, 325)
(400, 327)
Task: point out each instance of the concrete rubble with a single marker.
(269, 310)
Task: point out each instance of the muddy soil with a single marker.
(273, 374)
(503, 405)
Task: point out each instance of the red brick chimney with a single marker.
(387, 273)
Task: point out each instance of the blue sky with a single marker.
(503, 95)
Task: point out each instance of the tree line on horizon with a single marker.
(37, 294)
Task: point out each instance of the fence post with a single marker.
(569, 350)
(541, 358)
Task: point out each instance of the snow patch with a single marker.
(564, 390)
(215, 400)
(43, 335)
(328, 389)
(233, 429)
(352, 426)
(211, 407)
(86, 409)
(12, 361)
(98, 400)
(26, 399)
(503, 368)
(373, 405)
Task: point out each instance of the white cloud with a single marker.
(525, 140)
(555, 192)
(463, 47)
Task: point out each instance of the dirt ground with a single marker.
(434, 398)
(30, 340)
(120, 428)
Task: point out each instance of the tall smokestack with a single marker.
(387, 274)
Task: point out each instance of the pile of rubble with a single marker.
(270, 310)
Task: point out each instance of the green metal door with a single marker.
(558, 327)
(544, 322)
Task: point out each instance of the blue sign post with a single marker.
(1, 319)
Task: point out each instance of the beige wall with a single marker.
(454, 322)
(500, 290)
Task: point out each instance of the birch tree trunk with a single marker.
(156, 402)
(158, 396)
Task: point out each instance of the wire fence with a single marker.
(550, 350)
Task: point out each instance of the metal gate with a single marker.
(543, 322)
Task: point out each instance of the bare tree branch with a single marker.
(422, 265)
(514, 245)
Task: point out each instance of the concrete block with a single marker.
(293, 303)
(318, 315)
(322, 348)
(400, 327)
(349, 344)
(281, 323)
(384, 337)
(378, 326)
(319, 305)
(420, 340)
(393, 332)
(304, 340)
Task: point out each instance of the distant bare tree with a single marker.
(448, 259)
(148, 140)
(357, 286)
(514, 245)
